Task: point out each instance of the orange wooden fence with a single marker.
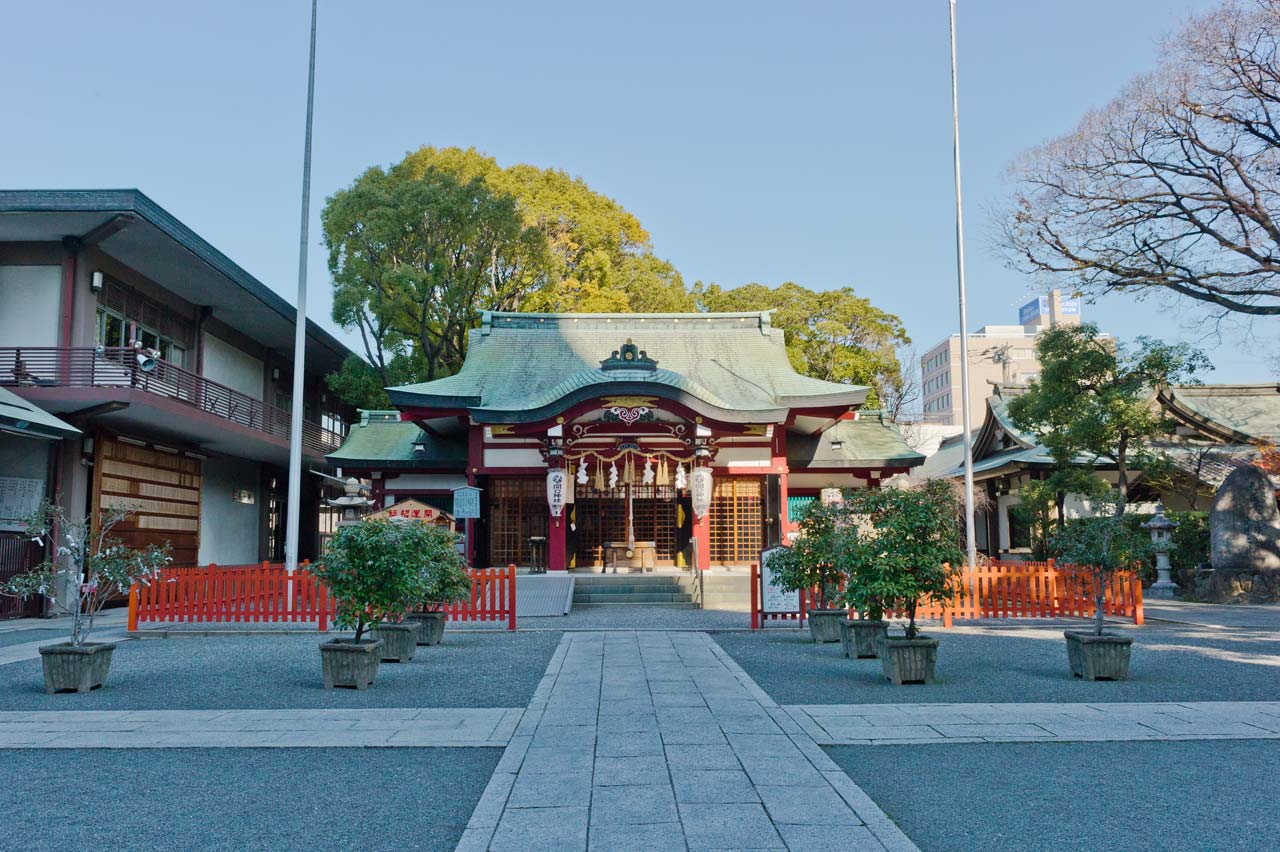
(1007, 590)
(266, 593)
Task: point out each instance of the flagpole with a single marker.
(300, 329)
(970, 542)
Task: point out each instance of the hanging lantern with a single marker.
(557, 484)
(700, 490)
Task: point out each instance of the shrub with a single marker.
(814, 560)
(447, 578)
(1102, 545)
(908, 550)
(379, 569)
(86, 562)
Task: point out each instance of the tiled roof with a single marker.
(380, 439)
(19, 415)
(524, 367)
(1233, 412)
(866, 442)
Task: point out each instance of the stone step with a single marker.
(635, 597)
(623, 603)
(628, 589)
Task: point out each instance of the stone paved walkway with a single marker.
(659, 741)
(360, 728)
(900, 724)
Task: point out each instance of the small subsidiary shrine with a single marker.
(624, 440)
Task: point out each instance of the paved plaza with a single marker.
(665, 739)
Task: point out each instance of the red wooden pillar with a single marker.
(475, 460)
(702, 537)
(779, 462)
(557, 549)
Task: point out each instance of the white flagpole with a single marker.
(964, 311)
(300, 331)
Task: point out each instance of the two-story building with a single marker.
(174, 364)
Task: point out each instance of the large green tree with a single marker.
(414, 260)
(835, 335)
(1094, 398)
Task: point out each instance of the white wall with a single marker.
(30, 297)
(229, 530)
(227, 365)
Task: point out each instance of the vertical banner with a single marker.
(700, 490)
(557, 482)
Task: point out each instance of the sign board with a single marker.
(466, 502)
(19, 497)
(414, 510)
(773, 598)
(1070, 307)
(1037, 307)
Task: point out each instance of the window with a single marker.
(737, 519)
(116, 330)
(517, 512)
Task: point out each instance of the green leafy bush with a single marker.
(1102, 545)
(85, 562)
(379, 569)
(1190, 542)
(815, 560)
(908, 548)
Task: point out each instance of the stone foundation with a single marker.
(1240, 587)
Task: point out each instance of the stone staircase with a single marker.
(679, 591)
(666, 590)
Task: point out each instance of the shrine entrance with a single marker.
(634, 527)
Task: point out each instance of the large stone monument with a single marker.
(1244, 540)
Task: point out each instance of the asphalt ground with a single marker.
(1190, 796)
(1019, 664)
(236, 800)
(19, 637)
(283, 672)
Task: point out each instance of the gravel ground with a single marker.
(277, 672)
(1076, 797)
(1019, 663)
(232, 800)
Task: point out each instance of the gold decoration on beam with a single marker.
(502, 429)
(629, 402)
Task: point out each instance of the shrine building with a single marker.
(634, 441)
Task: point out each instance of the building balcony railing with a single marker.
(118, 367)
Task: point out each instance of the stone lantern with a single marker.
(1161, 542)
(351, 502)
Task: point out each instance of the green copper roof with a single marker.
(381, 440)
(1234, 412)
(526, 367)
(18, 415)
(866, 442)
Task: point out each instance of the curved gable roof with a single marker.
(525, 367)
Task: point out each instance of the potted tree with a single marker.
(446, 581)
(84, 568)
(1102, 546)
(905, 555)
(374, 570)
(811, 565)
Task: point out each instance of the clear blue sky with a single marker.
(756, 141)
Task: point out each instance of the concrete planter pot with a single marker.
(431, 630)
(824, 624)
(351, 664)
(399, 641)
(909, 660)
(76, 668)
(861, 637)
(1093, 657)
